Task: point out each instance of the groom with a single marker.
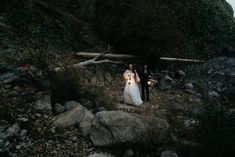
(144, 77)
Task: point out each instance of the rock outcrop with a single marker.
(117, 127)
(216, 77)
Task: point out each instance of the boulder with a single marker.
(117, 127)
(2, 136)
(4, 27)
(169, 153)
(71, 104)
(189, 86)
(100, 155)
(14, 130)
(181, 73)
(44, 103)
(194, 99)
(129, 153)
(58, 108)
(1, 143)
(77, 116)
(85, 123)
(3, 127)
(9, 77)
(167, 83)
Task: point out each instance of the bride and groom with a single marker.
(131, 92)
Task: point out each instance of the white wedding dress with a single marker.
(131, 92)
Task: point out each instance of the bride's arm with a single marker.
(125, 75)
(137, 77)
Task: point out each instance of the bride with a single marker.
(131, 91)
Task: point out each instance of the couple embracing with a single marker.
(131, 92)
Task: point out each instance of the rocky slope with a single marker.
(198, 29)
(177, 116)
(41, 25)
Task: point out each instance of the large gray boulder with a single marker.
(100, 155)
(77, 116)
(117, 127)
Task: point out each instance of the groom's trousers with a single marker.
(145, 90)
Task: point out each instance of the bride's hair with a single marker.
(134, 71)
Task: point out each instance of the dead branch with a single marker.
(92, 54)
(181, 59)
(85, 63)
(90, 61)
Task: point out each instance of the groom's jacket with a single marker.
(144, 76)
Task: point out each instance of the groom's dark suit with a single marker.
(144, 77)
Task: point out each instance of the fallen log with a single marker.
(109, 55)
(94, 60)
(181, 59)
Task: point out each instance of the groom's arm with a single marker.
(151, 73)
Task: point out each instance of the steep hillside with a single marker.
(182, 28)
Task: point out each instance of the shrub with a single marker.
(69, 84)
(217, 128)
(38, 58)
(66, 85)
